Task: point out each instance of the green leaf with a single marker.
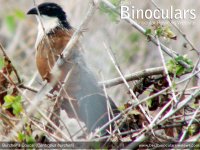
(121, 108)
(30, 139)
(13, 102)
(148, 32)
(149, 102)
(174, 85)
(11, 23)
(180, 70)
(17, 108)
(159, 31)
(18, 98)
(19, 14)
(192, 129)
(9, 98)
(21, 137)
(8, 101)
(1, 63)
(175, 68)
(169, 34)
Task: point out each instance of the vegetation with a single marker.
(157, 105)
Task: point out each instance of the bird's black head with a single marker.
(51, 10)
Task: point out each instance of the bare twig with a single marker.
(181, 105)
(189, 79)
(142, 30)
(53, 114)
(189, 125)
(178, 29)
(32, 108)
(69, 47)
(116, 81)
(183, 123)
(43, 130)
(166, 71)
(142, 135)
(133, 76)
(6, 56)
(140, 102)
(137, 142)
(77, 34)
(109, 109)
(125, 82)
(193, 139)
(188, 41)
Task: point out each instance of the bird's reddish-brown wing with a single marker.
(49, 49)
(47, 53)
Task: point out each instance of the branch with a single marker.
(46, 88)
(138, 141)
(166, 70)
(34, 90)
(158, 127)
(143, 134)
(116, 81)
(74, 39)
(32, 108)
(179, 30)
(168, 51)
(142, 101)
(189, 79)
(134, 76)
(189, 125)
(6, 56)
(109, 51)
(181, 105)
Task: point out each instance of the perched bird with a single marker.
(81, 87)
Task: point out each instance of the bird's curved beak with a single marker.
(32, 11)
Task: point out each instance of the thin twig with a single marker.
(178, 29)
(166, 71)
(116, 81)
(109, 109)
(51, 49)
(137, 141)
(125, 82)
(141, 101)
(142, 135)
(189, 125)
(32, 108)
(77, 34)
(187, 83)
(14, 69)
(181, 105)
(43, 130)
(143, 31)
(69, 47)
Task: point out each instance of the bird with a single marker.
(81, 88)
